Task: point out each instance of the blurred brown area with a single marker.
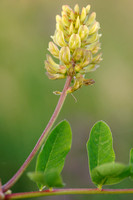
(27, 101)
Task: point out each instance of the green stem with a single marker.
(13, 180)
(67, 192)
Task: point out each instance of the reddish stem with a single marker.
(13, 180)
(67, 191)
(2, 196)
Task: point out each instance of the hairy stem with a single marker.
(67, 191)
(13, 180)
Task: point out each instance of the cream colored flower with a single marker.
(76, 46)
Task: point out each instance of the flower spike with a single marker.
(76, 45)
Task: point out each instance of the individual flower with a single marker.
(76, 45)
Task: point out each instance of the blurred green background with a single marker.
(27, 101)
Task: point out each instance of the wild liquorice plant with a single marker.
(76, 48)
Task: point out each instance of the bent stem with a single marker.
(66, 192)
(13, 180)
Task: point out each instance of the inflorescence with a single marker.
(76, 46)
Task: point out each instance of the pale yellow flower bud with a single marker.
(63, 69)
(78, 54)
(59, 26)
(94, 28)
(63, 13)
(96, 48)
(54, 38)
(55, 76)
(58, 18)
(71, 29)
(64, 55)
(89, 68)
(65, 20)
(83, 32)
(59, 37)
(95, 45)
(67, 9)
(78, 68)
(76, 9)
(72, 15)
(85, 63)
(87, 57)
(75, 87)
(51, 62)
(83, 14)
(77, 24)
(78, 83)
(97, 59)
(74, 41)
(88, 9)
(93, 38)
(53, 49)
(51, 68)
(91, 19)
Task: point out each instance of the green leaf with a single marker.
(99, 145)
(110, 173)
(53, 153)
(131, 162)
(50, 179)
(131, 157)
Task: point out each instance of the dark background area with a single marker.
(27, 101)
